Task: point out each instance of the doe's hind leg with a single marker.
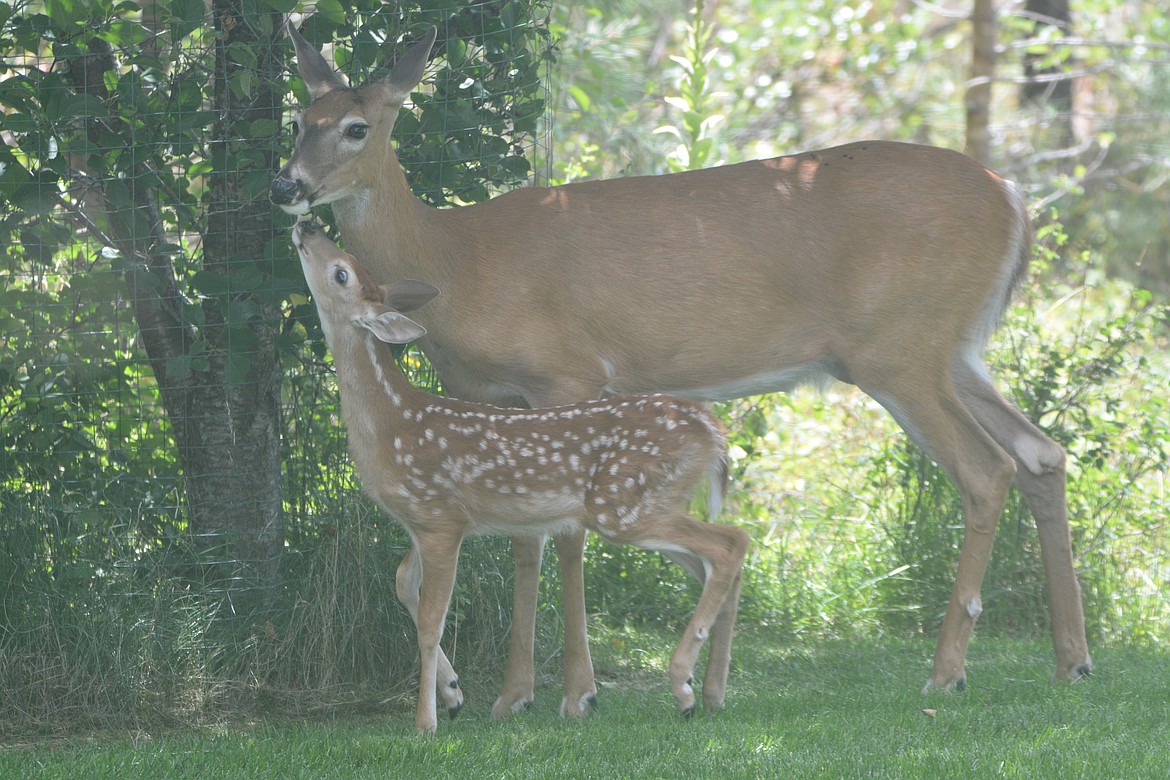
(1040, 476)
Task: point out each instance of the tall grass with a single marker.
(106, 644)
(85, 642)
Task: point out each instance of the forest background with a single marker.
(157, 567)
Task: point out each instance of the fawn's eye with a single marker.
(341, 276)
(357, 131)
(295, 126)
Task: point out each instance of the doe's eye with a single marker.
(295, 126)
(357, 131)
(341, 276)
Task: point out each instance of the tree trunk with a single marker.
(233, 432)
(1044, 88)
(978, 101)
(224, 413)
(1058, 93)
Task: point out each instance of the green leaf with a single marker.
(19, 123)
(186, 16)
(38, 196)
(211, 283)
(18, 92)
(132, 99)
(193, 314)
(242, 54)
(179, 368)
(331, 10)
(66, 13)
(126, 34)
(242, 83)
(262, 128)
(97, 285)
(238, 365)
(13, 176)
(581, 97)
(147, 281)
(74, 106)
(517, 167)
(281, 6)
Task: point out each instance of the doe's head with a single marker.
(345, 292)
(344, 134)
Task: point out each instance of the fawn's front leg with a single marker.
(407, 582)
(440, 555)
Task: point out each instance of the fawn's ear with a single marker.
(408, 294)
(391, 326)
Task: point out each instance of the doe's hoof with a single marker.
(958, 685)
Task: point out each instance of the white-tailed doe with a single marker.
(624, 468)
(881, 264)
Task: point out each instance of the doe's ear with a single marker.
(314, 70)
(408, 70)
(392, 327)
(408, 294)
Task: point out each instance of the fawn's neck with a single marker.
(376, 396)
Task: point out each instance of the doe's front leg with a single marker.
(519, 675)
(580, 686)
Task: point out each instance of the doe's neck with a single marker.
(387, 227)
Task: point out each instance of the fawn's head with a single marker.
(345, 293)
(344, 131)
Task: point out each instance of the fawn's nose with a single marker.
(285, 191)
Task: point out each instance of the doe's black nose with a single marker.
(284, 191)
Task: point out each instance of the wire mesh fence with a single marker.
(179, 519)
(180, 530)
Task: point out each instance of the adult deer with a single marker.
(884, 265)
(624, 468)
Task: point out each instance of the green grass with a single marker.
(821, 710)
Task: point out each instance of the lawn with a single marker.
(819, 710)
